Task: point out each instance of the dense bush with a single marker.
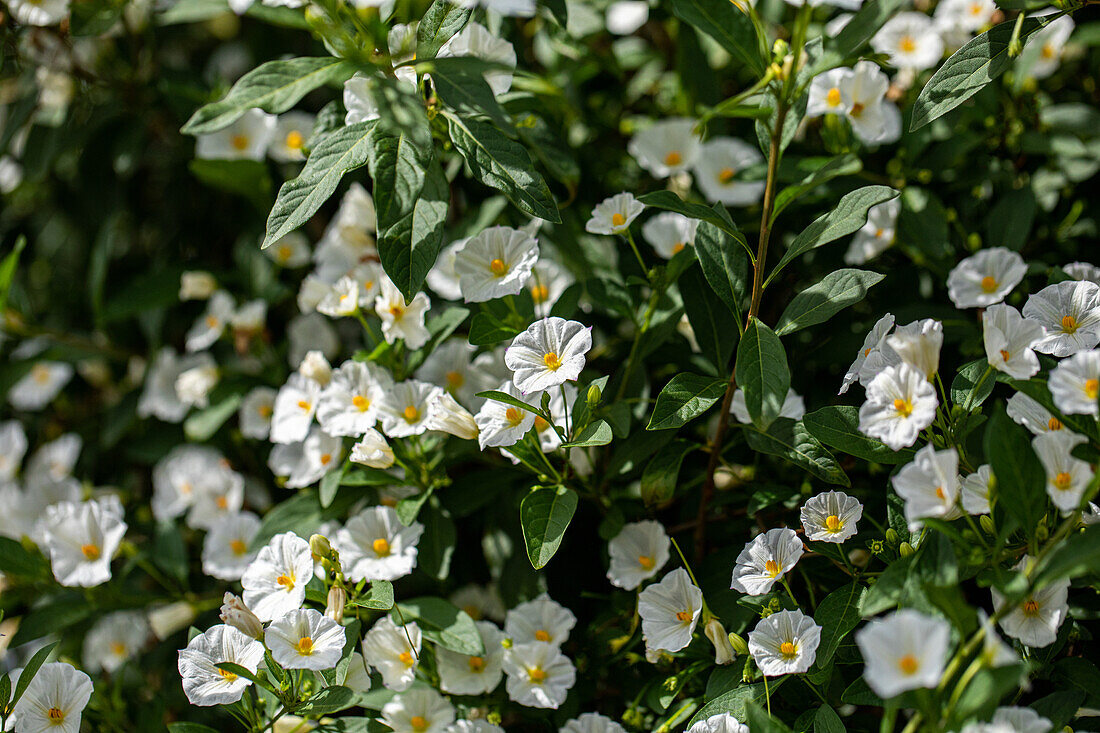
(571, 365)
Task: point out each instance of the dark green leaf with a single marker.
(710, 319)
(30, 670)
(972, 385)
(822, 300)
(442, 623)
(717, 217)
(825, 719)
(789, 439)
(684, 398)
(838, 427)
(327, 700)
(762, 373)
(544, 515)
(409, 247)
(1020, 487)
(842, 165)
(660, 474)
(724, 264)
(460, 83)
(864, 24)
(726, 23)
(595, 433)
(442, 20)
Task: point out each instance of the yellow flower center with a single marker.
(539, 293)
(536, 675)
(41, 373)
(304, 405)
(646, 561)
(227, 675)
(908, 664)
(55, 715)
(1092, 388)
(287, 581)
(833, 523)
(325, 458)
(455, 380)
(726, 175)
(553, 363)
(118, 649)
(907, 44)
(418, 722)
(239, 142)
(1005, 355)
(285, 252)
(904, 407)
(677, 247)
(406, 658)
(1047, 52)
(788, 650)
(305, 646)
(294, 140)
(238, 547)
(939, 493)
(265, 411)
(361, 403)
(90, 551)
(771, 567)
(397, 311)
(674, 158)
(221, 502)
(879, 232)
(411, 414)
(1069, 324)
(833, 97)
(542, 635)
(498, 267)
(212, 321)
(856, 110)
(683, 616)
(989, 283)
(1054, 424)
(1062, 481)
(477, 664)
(513, 416)
(976, 9)
(617, 219)
(381, 547)
(1030, 607)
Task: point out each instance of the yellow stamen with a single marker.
(539, 293)
(726, 175)
(1054, 424)
(553, 363)
(904, 407)
(118, 649)
(304, 405)
(1062, 481)
(1069, 324)
(360, 402)
(833, 523)
(381, 547)
(788, 649)
(238, 547)
(646, 561)
(498, 267)
(674, 158)
(677, 247)
(239, 142)
(1047, 52)
(455, 380)
(265, 411)
(295, 140)
(411, 414)
(1005, 355)
(536, 675)
(541, 424)
(907, 44)
(1030, 607)
(1092, 388)
(221, 502)
(683, 616)
(397, 311)
(326, 458)
(542, 635)
(305, 646)
(939, 493)
(771, 567)
(90, 551)
(989, 283)
(908, 664)
(406, 658)
(477, 664)
(41, 373)
(418, 723)
(226, 675)
(212, 321)
(287, 581)
(617, 219)
(833, 97)
(856, 110)
(513, 416)
(55, 715)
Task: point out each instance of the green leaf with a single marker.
(660, 474)
(789, 439)
(7, 270)
(502, 164)
(968, 70)
(736, 701)
(343, 150)
(31, 669)
(437, 545)
(1078, 555)
(762, 373)
(16, 560)
(398, 166)
(1020, 487)
(1010, 220)
(190, 728)
(201, 425)
(330, 484)
(726, 23)
(248, 178)
(825, 719)
(822, 300)
(972, 385)
(710, 319)
(847, 217)
(842, 165)
(460, 83)
(863, 25)
(717, 217)
(274, 87)
(922, 224)
(442, 20)
(485, 329)
(593, 434)
(408, 249)
(684, 398)
(724, 265)
(443, 623)
(379, 596)
(492, 394)
(838, 427)
(327, 700)
(544, 515)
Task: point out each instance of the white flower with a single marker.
(291, 132)
(766, 559)
(405, 408)
(508, 8)
(217, 493)
(247, 138)
(211, 324)
(720, 160)
(666, 147)
(177, 477)
(500, 424)
(669, 232)
(550, 352)
(540, 620)
(420, 710)
(976, 489)
(193, 386)
(349, 405)
(115, 638)
(720, 723)
(401, 319)
(495, 263)
(637, 553)
(985, 278)
(376, 545)
(294, 408)
(341, 300)
(275, 582)
(1067, 476)
(831, 517)
(1051, 41)
(910, 41)
(82, 538)
(394, 651)
(929, 485)
(1075, 384)
(442, 278)
(53, 461)
(1012, 720)
(372, 450)
(1070, 314)
(613, 215)
(863, 92)
(305, 639)
(670, 611)
(290, 250)
(1083, 271)
(1035, 620)
(900, 403)
(254, 414)
(877, 235)
(54, 699)
(825, 96)
(479, 602)
(906, 650)
(203, 682)
(225, 553)
(539, 675)
(591, 723)
(13, 446)
(1008, 337)
(359, 99)
(197, 285)
(234, 613)
(158, 398)
(315, 366)
(626, 16)
(967, 16)
(793, 407)
(918, 345)
(872, 342)
(305, 462)
(445, 415)
(784, 643)
(41, 13)
(40, 385)
(1027, 412)
(460, 674)
(476, 40)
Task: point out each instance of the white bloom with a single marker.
(347, 240)
(476, 40)
(539, 675)
(670, 610)
(1070, 314)
(53, 461)
(54, 699)
(626, 16)
(248, 319)
(669, 232)
(985, 278)
(877, 235)
(906, 650)
(275, 582)
(234, 613)
(315, 366)
(613, 215)
(539, 620)
(442, 278)
(831, 517)
(401, 319)
(460, 674)
(305, 639)
(900, 403)
(910, 41)
(13, 446)
(81, 539)
(478, 602)
(1027, 412)
(1008, 337)
(203, 682)
(419, 710)
(254, 414)
(591, 723)
(115, 638)
(247, 138)
(784, 643)
(291, 132)
(508, 8)
(1012, 720)
(929, 485)
(1083, 271)
(211, 324)
(976, 489)
(217, 493)
(372, 450)
(825, 96)
(359, 100)
(495, 263)
(637, 553)
(1035, 620)
(197, 285)
(550, 352)
(405, 408)
(1075, 384)
(666, 147)
(225, 553)
(500, 424)
(294, 408)
(1051, 41)
(793, 407)
(178, 476)
(720, 160)
(40, 385)
(394, 651)
(448, 366)
(41, 13)
(158, 398)
(720, 723)
(305, 462)
(193, 386)
(341, 300)
(918, 345)
(863, 92)
(349, 405)
(873, 341)
(1067, 476)
(290, 250)
(445, 415)
(967, 16)
(376, 545)
(766, 559)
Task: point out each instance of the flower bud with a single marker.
(316, 367)
(594, 396)
(740, 646)
(723, 650)
(320, 546)
(234, 613)
(197, 285)
(337, 597)
(906, 549)
(986, 523)
(372, 451)
(447, 416)
(892, 536)
(859, 557)
(168, 619)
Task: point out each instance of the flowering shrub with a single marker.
(692, 365)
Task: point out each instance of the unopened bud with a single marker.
(320, 546)
(906, 549)
(892, 536)
(197, 285)
(234, 613)
(594, 396)
(986, 523)
(337, 597)
(724, 652)
(168, 619)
